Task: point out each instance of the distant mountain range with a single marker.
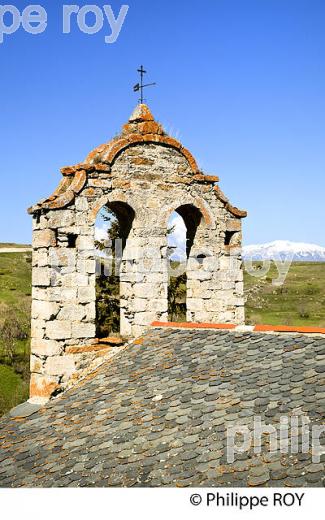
(281, 249)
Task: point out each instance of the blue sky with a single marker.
(240, 82)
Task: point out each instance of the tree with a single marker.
(108, 286)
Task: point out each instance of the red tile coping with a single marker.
(229, 326)
(288, 328)
(192, 325)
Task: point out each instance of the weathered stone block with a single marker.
(233, 225)
(213, 305)
(72, 312)
(83, 330)
(63, 257)
(85, 243)
(44, 310)
(81, 204)
(125, 324)
(41, 276)
(44, 238)
(240, 315)
(58, 329)
(195, 304)
(199, 275)
(74, 280)
(143, 290)
(239, 288)
(60, 365)
(160, 305)
(61, 218)
(45, 347)
(40, 258)
(86, 267)
(36, 364)
(86, 294)
(90, 312)
(43, 386)
(37, 328)
(136, 305)
(144, 318)
(69, 294)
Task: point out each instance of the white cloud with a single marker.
(177, 238)
(100, 233)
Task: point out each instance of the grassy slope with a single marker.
(15, 296)
(300, 301)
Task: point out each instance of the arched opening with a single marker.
(112, 228)
(182, 227)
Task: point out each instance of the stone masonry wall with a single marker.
(153, 179)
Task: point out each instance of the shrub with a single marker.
(303, 311)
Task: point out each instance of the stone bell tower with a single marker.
(143, 175)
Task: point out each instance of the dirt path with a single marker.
(15, 249)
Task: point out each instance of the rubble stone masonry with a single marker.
(143, 175)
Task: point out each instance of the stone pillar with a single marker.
(143, 282)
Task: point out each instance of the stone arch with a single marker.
(111, 152)
(208, 219)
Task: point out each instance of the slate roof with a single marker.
(157, 413)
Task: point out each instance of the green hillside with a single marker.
(299, 301)
(15, 298)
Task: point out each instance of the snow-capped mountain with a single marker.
(283, 249)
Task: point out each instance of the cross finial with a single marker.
(140, 86)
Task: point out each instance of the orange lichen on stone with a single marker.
(113, 151)
(63, 186)
(68, 170)
(138, 341)
(221, 196)
(141, 128)
(233, 225)
(141, 113)
(121, 184)
(201, 177)
(79, 181)
(170, 141)
(101, 167)
(142, 161)
(192, 325)
(236, 212)
(44, 238)
(135, 138)
(90, 192)
(205, 213)
(111, 340)
(42, 386)
(232, 209)
(153, 138)
(129, 128)
(192, 162)
(86, 348)
(149, 127)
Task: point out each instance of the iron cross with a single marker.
(140, 86)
